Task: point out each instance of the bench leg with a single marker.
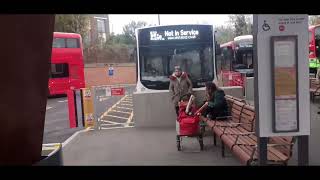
(222, 150)
(214, 139)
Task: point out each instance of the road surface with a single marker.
(57, 128)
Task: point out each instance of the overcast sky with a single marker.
(118, 21)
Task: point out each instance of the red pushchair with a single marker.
(188, 124)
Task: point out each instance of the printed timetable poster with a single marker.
(285, 84)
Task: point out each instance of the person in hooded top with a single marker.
(180, 86)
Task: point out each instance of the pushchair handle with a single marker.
(201, 109)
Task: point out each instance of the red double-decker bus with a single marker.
(236, 61)
(67, 67)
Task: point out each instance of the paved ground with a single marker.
(314, 143)
(136, 146)
(133, 146)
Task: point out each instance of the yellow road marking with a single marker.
(117, 127)
(116, 116)
(111, 122)
(130, 102)
(123, 107)
(129, 119)
(126, 104)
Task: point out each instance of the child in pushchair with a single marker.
(188, 121)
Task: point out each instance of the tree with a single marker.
(249, 21)
(129, 30)
(224, 34)
(241, 23)
(119, 39)
(73, 23)
(314, 20)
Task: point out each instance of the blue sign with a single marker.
(111, 71)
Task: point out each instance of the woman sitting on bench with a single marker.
(216, 103)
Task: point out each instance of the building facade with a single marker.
(99, 27)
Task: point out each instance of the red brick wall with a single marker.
(123, 74)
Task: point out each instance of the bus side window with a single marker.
(73, 43)
(59, 43)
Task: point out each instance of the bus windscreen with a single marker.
(163, 48)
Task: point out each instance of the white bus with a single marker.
(159, 49)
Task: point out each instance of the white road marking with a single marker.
(120, 112)
(47, 108)
(74, 135)
(63, 101)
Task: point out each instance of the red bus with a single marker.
(236, 61)
(314, 50)
(66, 67)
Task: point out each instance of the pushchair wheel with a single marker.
(202, 127)
(201, 143)
(202, 130)
(201, 146)
(178, 146)
(178, 143)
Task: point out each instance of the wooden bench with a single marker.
(278, 151)
(230, 101)
(233, 119)
(231, 134)
(314, 88)
(228, 97)
(237, 133)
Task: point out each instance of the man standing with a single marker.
(180, 85)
